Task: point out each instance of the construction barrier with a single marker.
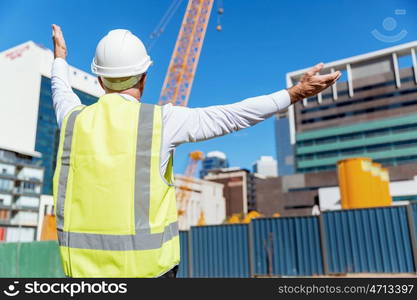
(287, 246)
(413, 211)
(412, 224)
(369, 241)
(183, 270)
(31, 260)
(372, 240)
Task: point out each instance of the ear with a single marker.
(143, 80)
(101, 83)
(141, 83)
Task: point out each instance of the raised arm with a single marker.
(197, 124)
(63, 97)
(184, 124)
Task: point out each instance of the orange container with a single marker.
(49, 228)
(355, 182)
(387, 199)
(377, 193)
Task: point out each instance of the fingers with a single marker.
(54, 30)
(57, 32)
(330, 83)
(60, 49)
(315, 69)
(329, 77)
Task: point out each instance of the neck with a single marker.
(135, 93)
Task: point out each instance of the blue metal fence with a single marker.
(220, 251)
(368, 240)
(371, 240)
(414, 223)
(183, 270)
(287, 246)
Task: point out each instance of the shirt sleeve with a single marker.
(184, 124)
(63, 97)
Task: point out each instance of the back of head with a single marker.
(120, 60)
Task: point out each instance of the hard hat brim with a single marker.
(117, 72)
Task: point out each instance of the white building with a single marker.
(21, 71)
(27, 118)
(204, 197)
(266, 166)
(401, 192)
(20, 191)
(28, 131)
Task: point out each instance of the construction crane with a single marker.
(181, 70)
(184, 191)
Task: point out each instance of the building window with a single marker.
(360, 112)
(356, 101)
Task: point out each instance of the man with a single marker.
(113, 184)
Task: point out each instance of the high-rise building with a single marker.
(20, 191)
(27, 118)
(285, 150)
(266, 166)
(239, 189)
(370, 112)
(213, 160)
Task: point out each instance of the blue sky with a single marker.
(260, 42)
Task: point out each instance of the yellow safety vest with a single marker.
(116, 213)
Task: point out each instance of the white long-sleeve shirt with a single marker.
(181, 124)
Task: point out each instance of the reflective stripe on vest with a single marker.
(143, 239)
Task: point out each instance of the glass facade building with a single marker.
(390, 142)
(285, 151)
(47, 133)
(213, 162)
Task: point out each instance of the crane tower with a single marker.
(181, 70)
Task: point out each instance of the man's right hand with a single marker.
(311, 84)
(60, 49)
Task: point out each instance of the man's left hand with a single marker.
(311, 83)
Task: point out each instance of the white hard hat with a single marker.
(120, 54)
